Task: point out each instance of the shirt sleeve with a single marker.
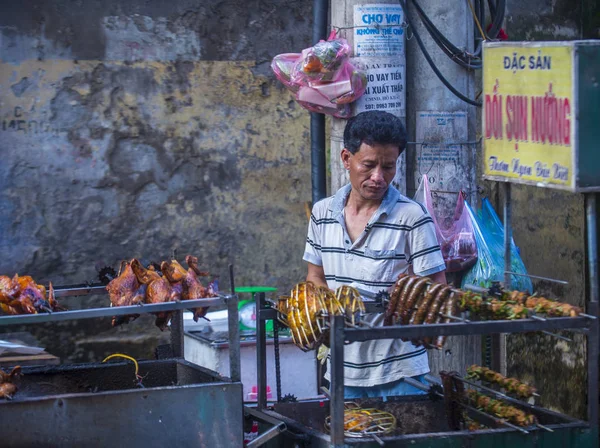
(312, 249)
(425, 254)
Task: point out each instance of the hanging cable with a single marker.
(476, 19)
(461, 57)
(497, 19)
(431, 63)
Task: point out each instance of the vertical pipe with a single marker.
(317, 121)
(507, 234)
(336, 341)
(499, 341)
(261, 352)
(233, 320)
(177, 334)
(594, 293)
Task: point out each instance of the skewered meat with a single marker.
(412, 299)
(192, 262)
(552, 308)
(492, 309)
(449, 308)
(158, 290)
(433, 316)
(307, 304)
(424, 304)
(511, 385)
(500, 409)
(7, 387)
(412, 280)
(186, 283)
(125, 290)
(394, 298)
(22, 295)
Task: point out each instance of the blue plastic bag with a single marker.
(489, 235)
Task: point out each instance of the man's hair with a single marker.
(372, 128)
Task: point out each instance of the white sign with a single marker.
(442, 150)
(385, 87)
(378, 30)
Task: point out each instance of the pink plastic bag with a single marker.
(321, 62)
(282, 66)
(456, 239)
(321, 77)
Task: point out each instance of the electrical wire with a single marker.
(431, 63)
(461, 57)
(476, 19)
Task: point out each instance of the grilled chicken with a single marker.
(7, 388)
(137, 284)
(22, 295)
(187, 281)
(126, 290)
(158, 290)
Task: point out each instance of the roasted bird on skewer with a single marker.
(138, 285)
(510, 385)
(7, 387)
(500, 409)
(22, 295)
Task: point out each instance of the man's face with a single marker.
(372, 169)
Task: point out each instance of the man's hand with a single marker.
(438, 277)
(316, 274)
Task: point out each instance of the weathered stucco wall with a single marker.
(135, 129)
(549, 228)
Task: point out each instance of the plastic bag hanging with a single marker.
(489, 234)
(321, 77)
(322, 62)
(456, 235)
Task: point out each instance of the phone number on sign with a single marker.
(391, 105)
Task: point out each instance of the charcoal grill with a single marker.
(97, 405)
(421, 419)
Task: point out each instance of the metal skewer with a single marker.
(544, 427)
(499, 394)
(557, 336)
(562, 282)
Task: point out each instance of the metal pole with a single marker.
(177, 334)
(261, 353)
(594, 293)
(507, 234)
(336, 404)
(317, 121)
(233, 320)
(499, 341)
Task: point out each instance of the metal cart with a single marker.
(180, 403)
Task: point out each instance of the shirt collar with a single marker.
(387, 204)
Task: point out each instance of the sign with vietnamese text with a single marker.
(386, 85)
(378, 30)
(529, 114)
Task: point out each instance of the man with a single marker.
(366, 235)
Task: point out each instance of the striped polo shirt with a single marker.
(398, 235)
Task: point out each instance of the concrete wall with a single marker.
(133, 129)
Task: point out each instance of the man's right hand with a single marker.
(316, 274)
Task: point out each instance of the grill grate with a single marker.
(359, 422)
